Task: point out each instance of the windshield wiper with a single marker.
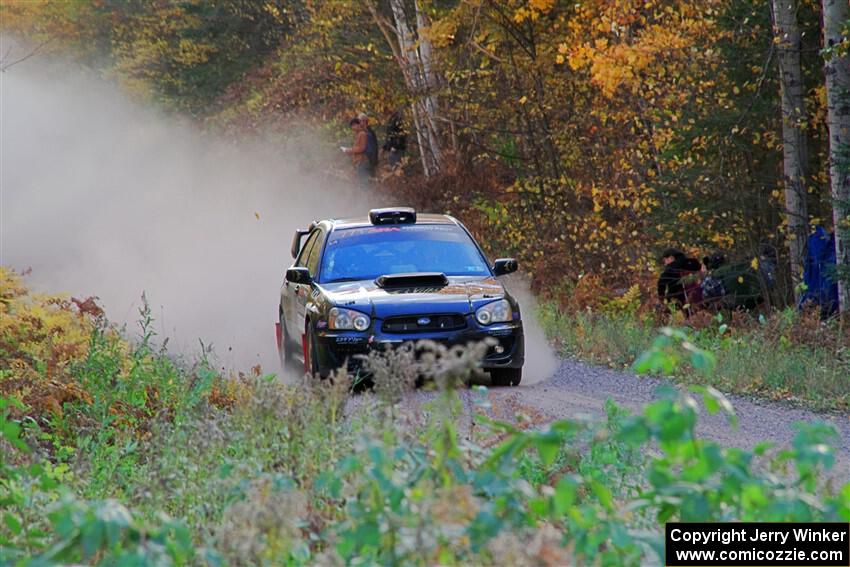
(348, 279)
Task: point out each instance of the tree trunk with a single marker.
(414, 55)
(836, 13)
(787, 34)
(430, 82)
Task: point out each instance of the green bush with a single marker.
(302, 474)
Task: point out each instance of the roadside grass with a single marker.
(763, 357)
(123, 455)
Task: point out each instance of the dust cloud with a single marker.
(540, 358)
(102, 196)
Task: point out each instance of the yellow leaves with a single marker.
(723, 240)
(580, 57)
(636, 44)
(542, 6)
(442, 32)
(612, 66)
(755, 264)
(533, 10)
(523, 99)
(273, 10)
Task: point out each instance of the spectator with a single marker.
(358, 151)
(678, 283)
(371, 143)
(396, 140)
(819, 276)
(733, 286)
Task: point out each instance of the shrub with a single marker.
(304, 474)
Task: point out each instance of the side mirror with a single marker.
(296, 241)
(298, 275)
(504, 266)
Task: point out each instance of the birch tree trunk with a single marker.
(410, 71)
(836, 13)
(414, 55)
(787, 34)
(430, 83)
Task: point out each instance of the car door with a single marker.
(292, 290)
(311, 262)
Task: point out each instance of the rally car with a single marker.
(390, 278)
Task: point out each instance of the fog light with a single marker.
(499, 349)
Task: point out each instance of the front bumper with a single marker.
(338, 348)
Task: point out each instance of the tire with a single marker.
(285, 352)
(506, 376)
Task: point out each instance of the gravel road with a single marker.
(581, 389)
(577, 389)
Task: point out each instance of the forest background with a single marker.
(581, 137)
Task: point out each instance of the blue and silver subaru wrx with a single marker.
(394, 277)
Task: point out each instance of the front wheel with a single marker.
(506, 376)
(311, 361)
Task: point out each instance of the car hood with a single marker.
(461, 295)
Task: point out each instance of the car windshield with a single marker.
(369, 252)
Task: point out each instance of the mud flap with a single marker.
(304, 349)
(278, 335)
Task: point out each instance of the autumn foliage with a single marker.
(581, 137)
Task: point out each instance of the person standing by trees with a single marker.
(673, 286)
(358, 153)
(396, 141)
(371, 144)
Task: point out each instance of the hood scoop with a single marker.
(420, 279)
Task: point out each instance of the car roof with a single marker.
(359, 222)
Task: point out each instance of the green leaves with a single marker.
(10, 431)
(669, 350)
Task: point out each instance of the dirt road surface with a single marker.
(577, 389)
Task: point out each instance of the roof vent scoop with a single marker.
(393, 215)
(420, 279)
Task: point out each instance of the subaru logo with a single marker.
(422, 321)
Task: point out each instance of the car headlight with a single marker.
(340, 319)
(496, 312)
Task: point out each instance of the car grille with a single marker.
(423, 323)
